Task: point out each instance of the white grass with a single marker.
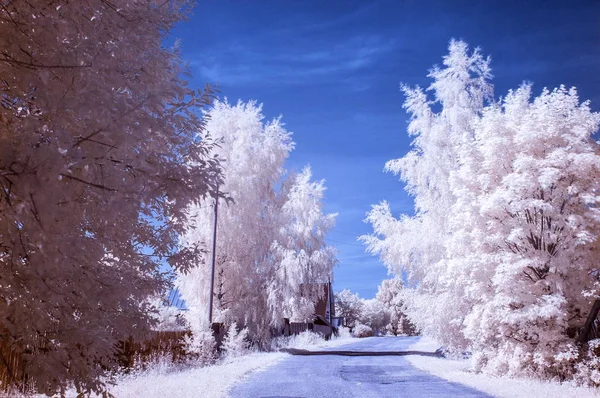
(166, 380)
(312, 341)
(210, 381)
(163, 379)
(460, 371)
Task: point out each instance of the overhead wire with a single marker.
(345, 233)
(353, 243)
(346, 243)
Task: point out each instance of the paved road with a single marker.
(338, 376)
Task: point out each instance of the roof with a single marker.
(321, 305)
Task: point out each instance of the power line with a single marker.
(346, 233)
(346, 243)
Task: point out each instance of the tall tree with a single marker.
(253, 154)
(302, 259)
(348, 305)
(513, 226)
(542, 223)
(99, 159)
(390, 294)
(375, 315)
(442, 141)
(270, 242)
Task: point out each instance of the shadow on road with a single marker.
(296, 351)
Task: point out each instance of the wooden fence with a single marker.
(299, 327)
(157, 344)
(293, 328)
(13, 366)
(131, 351)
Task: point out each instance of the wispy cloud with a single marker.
(301, 62)
(303, 24)
(349, 17)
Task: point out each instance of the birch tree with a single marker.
(390, 295)
(501, 253)
(540, 200)
(442, 142)
(348, 305)
(270, 242)
(302, 259)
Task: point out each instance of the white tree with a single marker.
(390, 294)
(302, 260)
(99, 159)
(236, 342)
(368, 315)
(253, 154)
(270, 241)
(348, 305)
(540, 203)
(168, 317)
(442, 142)
(508, 267)
(374, 314)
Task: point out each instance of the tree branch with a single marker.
(88, 183)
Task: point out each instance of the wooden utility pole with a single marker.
(213, 259)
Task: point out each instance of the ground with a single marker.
(282, 375)
(342, 376)
(459, 371)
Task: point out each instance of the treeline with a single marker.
(382, 315)
(502, 251)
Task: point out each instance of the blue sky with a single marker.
(333, 70)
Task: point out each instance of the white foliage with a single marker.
(501, 252)
(372, 312)
(418, 244)
(390, 294)
(306, 340)
(362, 330)
(169, 318)
(349, 306)
(374, 315)
(253, 155)
(300, 254)
(202, 345)
(270, 243)
(236, 342)
(542, 223)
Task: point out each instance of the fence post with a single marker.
(218, 330)
(286, 327)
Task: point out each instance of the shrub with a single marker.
(236, 342)
(361, 330)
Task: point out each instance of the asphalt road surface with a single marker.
(343, 376)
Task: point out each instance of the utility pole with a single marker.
(213, 259)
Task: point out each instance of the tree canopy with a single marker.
(99, 159)
(500, 254)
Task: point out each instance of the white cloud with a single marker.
(300, 62)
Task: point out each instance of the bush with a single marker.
(304, 340)
(236, 342)
(343, 332)
(361, 330)
(202, 346)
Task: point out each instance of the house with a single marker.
(324, 322)
(325, 307)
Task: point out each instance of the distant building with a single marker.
(324, 322)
